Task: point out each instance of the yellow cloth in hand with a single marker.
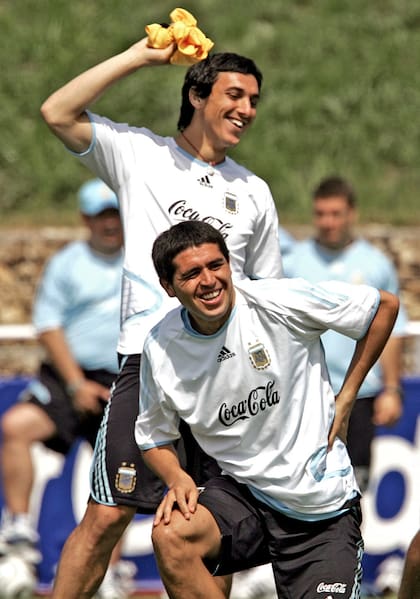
(191, 43)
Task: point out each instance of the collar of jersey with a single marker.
(191, 331)
(197, 160)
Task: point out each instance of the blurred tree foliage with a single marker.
(341, 94)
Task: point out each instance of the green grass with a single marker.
(341, 94)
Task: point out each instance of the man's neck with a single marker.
(339, 247)
(198, 147)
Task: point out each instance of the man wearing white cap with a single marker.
(76, 317)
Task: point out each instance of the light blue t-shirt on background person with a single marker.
(359, 263)
(81, 293)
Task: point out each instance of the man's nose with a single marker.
(207, 277)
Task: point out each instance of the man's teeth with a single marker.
(237, 123)
(211, 295)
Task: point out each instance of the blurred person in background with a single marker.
(286, 241)
(336, 253)
(76, 317)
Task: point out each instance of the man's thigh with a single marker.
(119, 475)
(243, 542)
(316, 559)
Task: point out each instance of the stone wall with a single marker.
(401, 244)
(23, 253)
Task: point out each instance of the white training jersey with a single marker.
(257, 394)
(158, 185)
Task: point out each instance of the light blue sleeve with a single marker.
(390, 283)
(52, 297)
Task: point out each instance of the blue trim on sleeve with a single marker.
(154, 445)
(92, 143)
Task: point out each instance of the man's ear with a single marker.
(167, 287)
(195, 100)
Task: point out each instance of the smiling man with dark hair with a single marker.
(267, 414)
(159, 181)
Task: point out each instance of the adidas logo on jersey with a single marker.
(206, 181)
(225, 354)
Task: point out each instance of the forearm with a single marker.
(366, 353)
(164, 462)
(369, 348)
(72, 99)
(65, 110)
(391, 362)
(54, 342)
(387, 408)
(182, 490)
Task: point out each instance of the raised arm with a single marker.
(65, 110)
(366, 353)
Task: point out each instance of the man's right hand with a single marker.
(147, 56)
(89, 397)
(183, 493)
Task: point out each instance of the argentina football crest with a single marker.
(230, 202)
(259, 356)
(125, 480)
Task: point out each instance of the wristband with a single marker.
(394, 389)
(72, 388)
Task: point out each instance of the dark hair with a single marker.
(335, 186)
(180, 237)
(202, 75)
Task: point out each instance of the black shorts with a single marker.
(118, 474)
(48, 392)
(310, 559)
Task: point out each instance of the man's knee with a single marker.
(26, 423)
(183, 539)
(176, 540)
(103, 521)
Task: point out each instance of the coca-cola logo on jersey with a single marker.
(181, 210)
(259, 399)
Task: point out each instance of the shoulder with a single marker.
(67, 262)
(165, 331)
(365, 249)
(297, 253)
(126, 128)
(268, 293)
(70, 252)
(241, 172)
(305, 246)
